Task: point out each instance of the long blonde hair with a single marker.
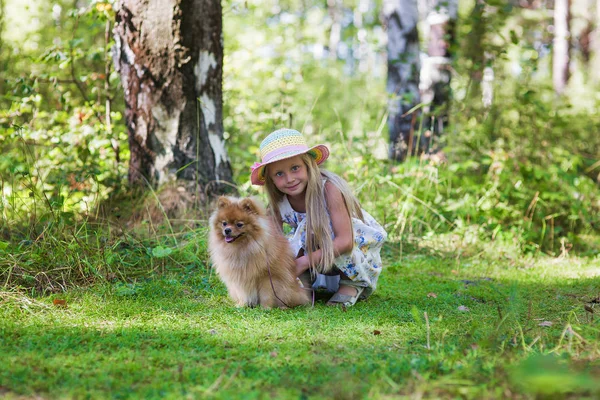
(318, 227)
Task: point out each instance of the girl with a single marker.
(330, 233)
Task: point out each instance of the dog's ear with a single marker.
(223, 201)
(251, 206)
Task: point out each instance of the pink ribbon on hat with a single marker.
(256, 165)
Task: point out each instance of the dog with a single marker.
(252, 257)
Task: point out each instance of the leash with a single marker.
(275, 293)
(313, 296)
(273, 286)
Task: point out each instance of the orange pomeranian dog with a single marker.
(252, 257)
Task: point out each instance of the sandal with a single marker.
(345, 299)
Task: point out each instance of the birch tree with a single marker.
(169, 54)
(595, 45)
(561, 48)
(474, 49)
(436, 69)
(401, 18)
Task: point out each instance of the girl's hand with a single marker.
(302, 265)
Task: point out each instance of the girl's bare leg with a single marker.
(345, 289)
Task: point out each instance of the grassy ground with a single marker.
(486, 326)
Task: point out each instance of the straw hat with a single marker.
(282, 144)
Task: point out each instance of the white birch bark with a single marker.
(595, 46)
(561, 48)
(169, 54)
(436, 69)
(403, 74)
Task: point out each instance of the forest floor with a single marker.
(489, 325)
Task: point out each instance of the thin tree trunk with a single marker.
(436, 70)
(2, 13)
(595, 46)
(561, 49)
(169, 54)
(334, 8)
(4, 62)
(403, 74)
(474, 50)
(360, 42)
(487, 87)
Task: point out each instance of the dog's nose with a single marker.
(227, 231)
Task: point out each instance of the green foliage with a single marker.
(531, 164)
(59, 139)
(66, 252)
(550, 375)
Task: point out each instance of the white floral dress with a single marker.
(362, 264)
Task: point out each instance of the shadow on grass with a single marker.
(180, 336)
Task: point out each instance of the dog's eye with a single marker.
(224, 223)
(239, 225)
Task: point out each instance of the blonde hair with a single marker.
(318, 227)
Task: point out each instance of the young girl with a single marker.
(330, 233)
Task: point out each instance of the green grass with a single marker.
(179, 336)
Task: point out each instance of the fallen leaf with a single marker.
(455, 272)
(59, 303)
(463, 308)
(589, 309)
(376, 332)
(273, 354)
(432, 295)
(545, 323)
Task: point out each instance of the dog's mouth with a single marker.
(231, 239)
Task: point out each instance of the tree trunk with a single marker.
(474, 50)
(4, 62)
(335, 11)
(401, 18)
(561, 49)
(169, 54)
(595, 46)
(436, 70)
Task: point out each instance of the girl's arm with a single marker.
(341, 224)
(340, 220)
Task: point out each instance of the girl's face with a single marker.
(290, 176)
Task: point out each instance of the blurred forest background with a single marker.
(520, 150)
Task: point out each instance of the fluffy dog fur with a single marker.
(244, 244)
